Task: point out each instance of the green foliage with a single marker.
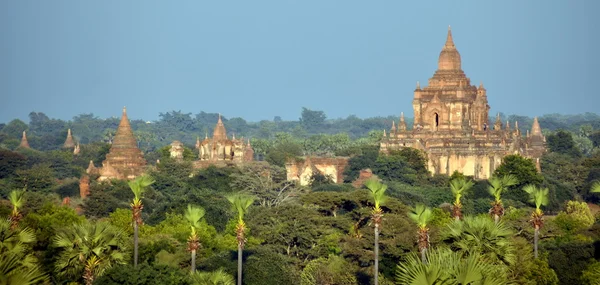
(407, 165)
(569, 260)
(93, 247)
(365, 159)
(525, 172)
(447, 267)
(576, 217)
(480, 235)
(331, 270)
(459, 187)
(265, 267)
(562, 142)
(377, 191)
(144, 274)
(537, 196)
(240, 204)
(591, 275)
(421, 215)
(218, 277)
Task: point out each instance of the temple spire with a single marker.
(24, 143)
(402, 123)
(393, 127)
(536, 130)
(69, 143)
(449, 40)
(219, 133)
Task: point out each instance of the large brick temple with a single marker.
(451, 124)
(124, 159)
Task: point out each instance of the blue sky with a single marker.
(260, 59)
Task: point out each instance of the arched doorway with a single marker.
(436, 120)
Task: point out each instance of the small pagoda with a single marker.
(124, 159)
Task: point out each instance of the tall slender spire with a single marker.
(449, 57)
(24, 143)
(449, 40)
(69, 143)
(402, 123)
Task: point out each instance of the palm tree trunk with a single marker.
(135, 244)
(376, 254)
(239, 281)
(536, 237)
(424, 255)
(193, 261)
(496, 218)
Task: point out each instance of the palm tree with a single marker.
(447, 267)
(218, 277)
(422, 215)
(378, 193)
(497, 186)
(16, 198)
(17, 263)
(89, 249)
(459, 187)
(194, 215)
(138, 186)
(240, 204)
(539, 197)
(480, 235)
(595, 187)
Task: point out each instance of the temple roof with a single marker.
(536, 130)
(449, 57)
(219, 133)
(69, 142)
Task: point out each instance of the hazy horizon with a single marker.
(264, 59)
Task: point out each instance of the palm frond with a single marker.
(16, 198)
(194, 214)
(219, 277)
(240, 203)
(537, 196)
(595, 187)
(139, 185)
(421, 215)
(377, 190)
(459, 186)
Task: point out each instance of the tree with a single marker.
(240, 204)
(377, 191)
(422, 215)
(88, 250)
(312, 120)
(138, 186)
(16, 200)
(193, 215)
(524, 170)
(480, 235)
(497, 186)
(17, 262)
(447, 267)
(562, 142)
(268, 183)
(539, 197)
(459, 186)
(218, 277)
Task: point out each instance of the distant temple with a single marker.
(24, 143)
(220, 150)
(451, 125)
(303, 169)
(124, 159)
(69, 142)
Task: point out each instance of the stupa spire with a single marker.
(449, 57)
(536, 130)
(220, 133)
(69, 143)
(24, 143)
(402, 123)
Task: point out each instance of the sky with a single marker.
(259, 59)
